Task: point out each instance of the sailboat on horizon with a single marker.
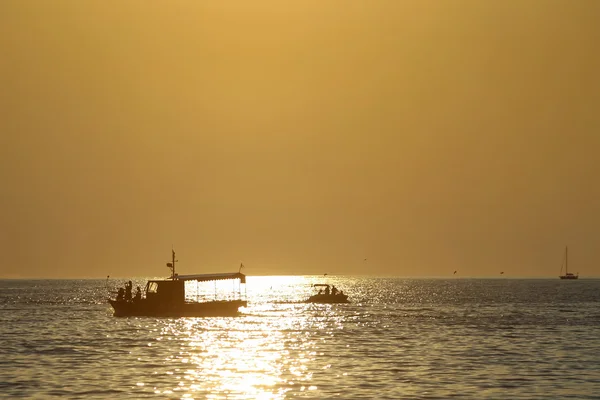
(567, 274)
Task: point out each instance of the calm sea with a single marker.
(399, 339)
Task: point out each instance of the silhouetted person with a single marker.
(128, 287)
(320, 291)
(334, 290)
(120, 294)
(138, 294)
(327, 290)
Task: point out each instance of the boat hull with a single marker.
(328, 299)
(145, 308)
(568, 277)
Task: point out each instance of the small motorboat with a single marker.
(328, 295)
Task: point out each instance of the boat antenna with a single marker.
(172, 263)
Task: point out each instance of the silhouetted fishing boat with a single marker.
(167, 297)
(327, 295)
(567, 274)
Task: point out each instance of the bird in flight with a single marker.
(454, 272)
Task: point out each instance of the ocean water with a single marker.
(398, 339)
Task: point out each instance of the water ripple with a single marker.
(427, 339)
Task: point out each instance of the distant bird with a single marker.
(325, 274)
(365, 259)
(502, 273)
(454, 272)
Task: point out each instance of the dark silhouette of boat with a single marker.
(327, 295)
(166, 298)
(567, 275)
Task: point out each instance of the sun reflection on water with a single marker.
(266, 352)
(398, 338)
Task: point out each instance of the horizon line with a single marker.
(317, 275)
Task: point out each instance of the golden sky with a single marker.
(299, 137)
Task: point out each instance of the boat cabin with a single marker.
(163, 291)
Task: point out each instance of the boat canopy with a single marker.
(321, 284)
(213, 277)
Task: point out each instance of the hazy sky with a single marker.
(299, 137)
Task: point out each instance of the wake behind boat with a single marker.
(328, 295)
(166, 298)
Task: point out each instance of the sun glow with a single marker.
(265, 353)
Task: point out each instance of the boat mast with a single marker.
(566, 260)
(173, 261)
(172, 264)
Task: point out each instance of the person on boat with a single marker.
(120, 294)
(327, 291)
(320, 291)
(138, 294)
(128, 287)
(334, 290)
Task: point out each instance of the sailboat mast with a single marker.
(566, 260)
